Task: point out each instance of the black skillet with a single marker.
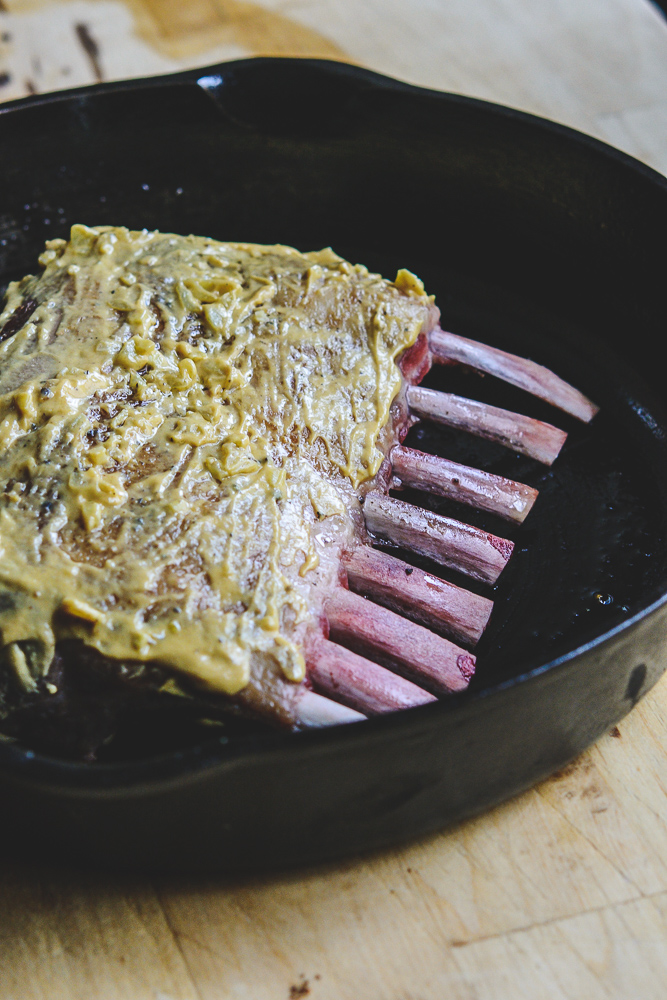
(533, 238)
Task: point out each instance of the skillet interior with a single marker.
(531, 238)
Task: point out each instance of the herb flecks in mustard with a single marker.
(178, 418)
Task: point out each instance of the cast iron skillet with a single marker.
(532, 237)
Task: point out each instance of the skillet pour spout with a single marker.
(536, 240)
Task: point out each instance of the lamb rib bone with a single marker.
(399, 644)
(533, 438)
(359, 683)
(411, 591)
(534, 378)
(467, 485)
(451, 543)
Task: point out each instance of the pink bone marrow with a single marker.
(396, 643)
(533, 438)
(459, 546)
(525, 374)
(411, 591)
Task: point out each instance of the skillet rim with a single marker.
(178, 766)
(205, 77)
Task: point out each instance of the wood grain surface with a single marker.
(559, 894)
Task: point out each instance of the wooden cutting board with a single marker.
(559, 894)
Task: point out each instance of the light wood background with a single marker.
(560, 894)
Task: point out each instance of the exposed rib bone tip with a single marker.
(502, 545)
(462, 483)
(533, 438)
(359, 683)
(521, 372)
(411, 591)
(315, 711)
(466, 664)
(451, 543)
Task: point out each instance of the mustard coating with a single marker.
(177, 418)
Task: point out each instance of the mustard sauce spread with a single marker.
(178, 418)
